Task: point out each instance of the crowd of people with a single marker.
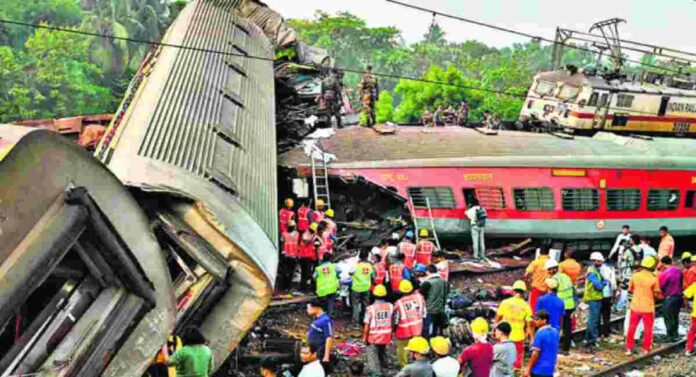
(446, 116)
(398, 294)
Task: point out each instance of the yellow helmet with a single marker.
(440, 345)
(648, 262)
(479, 326)
(320, 202)
(693, 258)
(423, 233)
(418, 344)
(519, 285)
(313, 227)
(380, 291)
(405, 286)
(329, 212)
(289, 202)
(686, 255)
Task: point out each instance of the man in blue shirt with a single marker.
(320, 335)
(545, 348)
(551, 304)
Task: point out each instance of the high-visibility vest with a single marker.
(396, 275)
(285, 216)
(443, 269)
(290, 244)
(321, 249)
(327, 281)
(326, 236)
(362, 278)
(307, 247)
(410, 310)
(330, 225)
(591, 293)
(303, 218)
(424, 252)
(380, 326)
(409, 250)
(380, 273)
(317, 216)
(565, 290)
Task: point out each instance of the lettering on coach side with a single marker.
(391, 177)
(478, 177)
(682, 107)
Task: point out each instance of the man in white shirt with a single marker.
(648, 250)
(621, 240)
(477, 216)
(445, 365)
(312, 366)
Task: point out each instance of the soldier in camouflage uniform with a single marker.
(331, 94)
(369, 89)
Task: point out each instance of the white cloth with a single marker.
(446, 367)
(621, 237)
(313, 369)
(648, 251)
(471, 214)
(609, 275)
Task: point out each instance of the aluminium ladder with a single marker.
(320, 177)
(430, 218)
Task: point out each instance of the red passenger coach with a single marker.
(532, 185)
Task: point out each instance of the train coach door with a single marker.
(663, 106)
(469, 197)
(601, 110)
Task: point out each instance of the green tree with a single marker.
(384, 108)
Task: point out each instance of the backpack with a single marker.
(481, 217)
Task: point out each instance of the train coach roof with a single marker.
(358, 147)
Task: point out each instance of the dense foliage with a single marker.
(46, 74)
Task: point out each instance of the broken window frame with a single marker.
(624, 199)
(663, 199)
(580, 199)
(542, 197)
(438, 196)
(491, 197)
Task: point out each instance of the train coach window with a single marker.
(663, 200)
(603, 99)
(491, 197)
(593, 99)
(438, 196)
(624, 100)
(581, 199)
(623, 200)
(690, 199)
(534, 199)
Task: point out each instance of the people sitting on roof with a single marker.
(450, 116)
(427, 119)
(463, 113)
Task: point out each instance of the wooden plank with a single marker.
(383, 129)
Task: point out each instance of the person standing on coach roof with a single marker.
(478, 216)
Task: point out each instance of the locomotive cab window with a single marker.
(438, 196)
(623, 200)
(624, 100)
(603, 99)
(544, 88)
(659, 200)
(580, 199)
(593, 99)
(534, 199)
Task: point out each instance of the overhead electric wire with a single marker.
(516, 32)
(253, 57)
(638, 43)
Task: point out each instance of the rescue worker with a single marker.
(362, 278)
(320, 333)
(381, 276)
(409, 312)
(327, 281)
(381, 250)
(477, 358)
(290, 246)
(621, 241)
(445, 365)
(286, 215)
(420, 274)
(398, 273)
(319, 241)
(594, 292)
(537, 275)
(671, 285)
(424, 249)
(477, 219)
(570, 266)
(516, 311)
(689, 269)
(552, 304)
(369, 89)
(463, 113)
(666, 243)
(317, 215)
(408, 248)
(308, 256)
(434, 290)
(608, 293)
(331, 94)
(377, 331)
(392, 251)
(645, 288)
(441, 264)
(329, 220)
(327, 236)
(566, 292)
(690, 293)
(418, 349)
(303, 217)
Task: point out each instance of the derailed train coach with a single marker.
(196, 226)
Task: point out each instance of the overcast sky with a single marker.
(669, 23)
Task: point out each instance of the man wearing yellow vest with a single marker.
(326, 277)
(594, 293)
(362, 278)
(517, 312)
(566, 292)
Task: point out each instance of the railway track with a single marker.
(639, 361)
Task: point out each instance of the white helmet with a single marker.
(597, 256)
(550, 263)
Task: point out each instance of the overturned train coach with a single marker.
(173, 224)
(532, 185)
